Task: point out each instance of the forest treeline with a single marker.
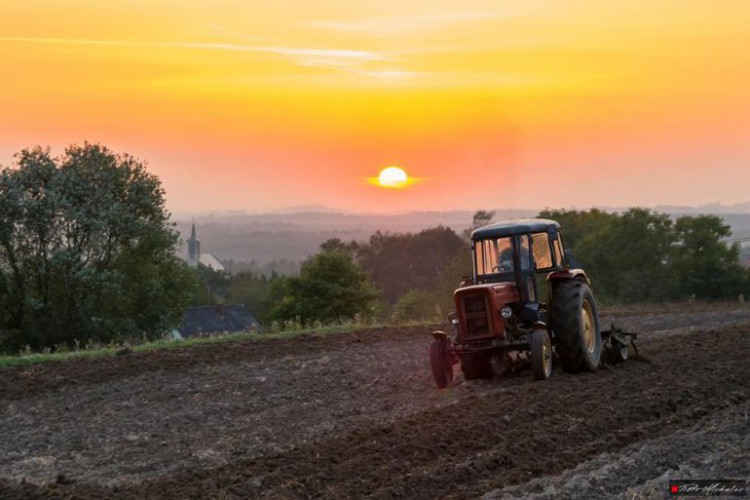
(88, 255)
(644, 256)
(635, 256)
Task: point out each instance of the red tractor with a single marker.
(524, 305)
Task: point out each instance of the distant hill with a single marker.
(293, 236)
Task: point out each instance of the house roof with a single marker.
(217, 319)
(210, 260)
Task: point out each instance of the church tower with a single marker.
(194, 249)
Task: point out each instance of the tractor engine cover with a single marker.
(479, 309)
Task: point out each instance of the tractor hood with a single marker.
(478, 308)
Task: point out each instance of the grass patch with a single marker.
(36, 358)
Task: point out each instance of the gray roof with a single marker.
(513, 227)
(217, 319)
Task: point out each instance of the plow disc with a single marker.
(617, 342)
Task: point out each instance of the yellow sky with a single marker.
(256, 105)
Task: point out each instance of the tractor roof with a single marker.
(513, 227)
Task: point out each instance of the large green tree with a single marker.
(629, 257)
(87, 251)
(330, 287)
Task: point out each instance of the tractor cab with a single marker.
(518, 252)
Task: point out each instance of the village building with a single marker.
(195, 257)
(218, 319)
(215, 319)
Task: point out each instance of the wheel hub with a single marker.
(588, 326)
(547, 358)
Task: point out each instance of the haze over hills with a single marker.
(293, 234)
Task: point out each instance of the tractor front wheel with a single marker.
(441, 363)
(541, 355)
(575, 322)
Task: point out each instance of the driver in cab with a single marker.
(506, 258)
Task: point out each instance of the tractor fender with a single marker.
(439, 334)
(569, 274)
(539, 325)
(566, 275)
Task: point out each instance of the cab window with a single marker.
(542, 251)
(559, 254)
(493, 256)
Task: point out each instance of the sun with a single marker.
(393, 177)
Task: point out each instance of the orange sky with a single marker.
(266, 104)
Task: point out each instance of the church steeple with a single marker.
(194, 248)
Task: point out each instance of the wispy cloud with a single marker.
(326, 58)
(354, 62)
(304, 56)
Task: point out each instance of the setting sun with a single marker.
(393, 177)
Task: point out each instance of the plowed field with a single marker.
(357, 415)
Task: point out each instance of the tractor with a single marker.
(524, 306)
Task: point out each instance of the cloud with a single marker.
(326, 58)
(302, 56)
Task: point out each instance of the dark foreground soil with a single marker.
(358, 416)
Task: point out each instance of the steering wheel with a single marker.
(504, 265)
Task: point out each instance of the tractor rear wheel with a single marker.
(476, 366)
(441, 363)
(575, 322)
(541, 355)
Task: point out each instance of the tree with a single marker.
(336, 245)
(213, 286)
(705, 266)
(576, 224)
(258, 292)
(331, 287)
(481, 218)
(87, 251)
(629, 256)
(416, 305)
(398, 263)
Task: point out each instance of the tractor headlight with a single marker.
(506, 312)
(453, 319)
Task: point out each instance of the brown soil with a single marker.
(357, 415)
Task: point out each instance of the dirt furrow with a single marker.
(493, 437)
